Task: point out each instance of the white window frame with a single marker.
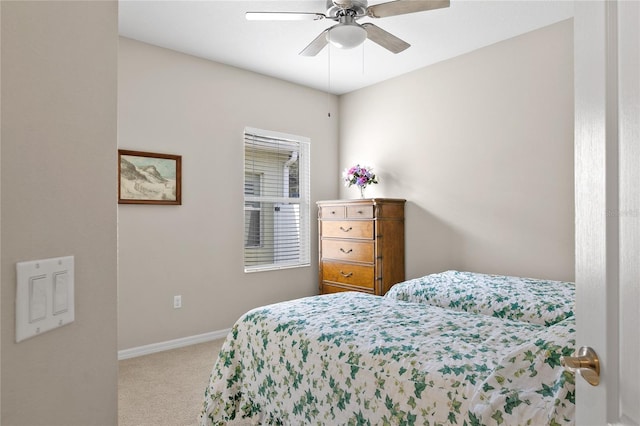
(266, 139)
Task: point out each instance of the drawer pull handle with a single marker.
(346, 229)
(346, 275)
(333, 212)
(346, 251)
(360, 212)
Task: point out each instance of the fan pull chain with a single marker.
(329, 78)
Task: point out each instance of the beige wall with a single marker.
(178, 104)
(0, 211)
(481, 146)
(59, 71)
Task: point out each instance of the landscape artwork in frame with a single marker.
(149, 178)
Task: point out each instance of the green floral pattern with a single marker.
(357, 359)
(531, 300)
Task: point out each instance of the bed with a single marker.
(354, 358)
(537, 301)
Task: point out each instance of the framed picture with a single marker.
(149, 178)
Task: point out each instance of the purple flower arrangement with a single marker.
(361, 176)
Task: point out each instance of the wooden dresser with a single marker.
(361, 245)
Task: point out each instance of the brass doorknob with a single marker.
(586, 363)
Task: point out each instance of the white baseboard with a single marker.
(172, 344)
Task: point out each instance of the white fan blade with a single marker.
(283, 16)
(316, 45)
(384, 38)
(401, 7)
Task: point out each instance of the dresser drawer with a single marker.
(360, 212)
(362, 229)
(332, 212)
(346, 273)
(353, 250)
(328, 288)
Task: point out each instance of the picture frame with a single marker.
(149, 178)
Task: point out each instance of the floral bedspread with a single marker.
(358, 359)
(531, 300)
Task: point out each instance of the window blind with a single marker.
(276, 200)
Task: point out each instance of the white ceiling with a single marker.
(217, 30)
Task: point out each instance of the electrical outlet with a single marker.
(177, 302)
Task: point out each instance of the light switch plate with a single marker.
(44, 296)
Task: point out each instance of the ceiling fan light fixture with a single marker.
(347, 36)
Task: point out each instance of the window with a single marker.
(252, 215)
(276, 200)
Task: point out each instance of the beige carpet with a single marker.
(165, 388)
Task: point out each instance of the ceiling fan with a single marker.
(347, 33)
